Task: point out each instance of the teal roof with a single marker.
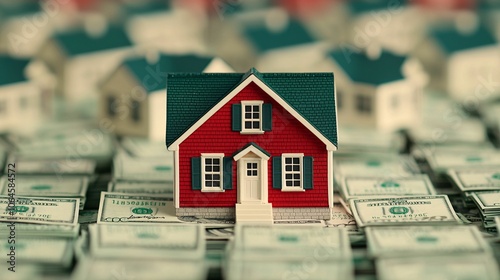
(264, 39)
(156, 72)
(452, 40)
(77, 42)
(12, 70)
(191, 95)
(146, 7)
(17, 9)
(360, 68)
(365, 6)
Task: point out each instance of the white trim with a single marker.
(221, 172)
(252, 149)
(284, 188)
(265, 88)
(243, 119)
(330, 178)
(176, 179)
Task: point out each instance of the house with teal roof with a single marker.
(254, 147)
(460, 61)
(20, 98)
(381, 91)
(397, 26)
(79, 59)
(133, 96)
(268, 39)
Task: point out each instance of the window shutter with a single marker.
(267, 117)
(276, 172)
(196, 173)
(236, 117)
(308, 172)
(228, 173)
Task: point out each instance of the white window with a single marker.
(211, 172)
(251, 119)
(292, 171)
(364, 104)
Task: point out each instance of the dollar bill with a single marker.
(360, 186)
(54, 167)
(140, 147)
(451, 267)
(158, 241)
(163, 188)
(288, 242)
(155, 269)
(38, 230)
(282, 269)
(47, 186)
(497, 223)
(441, 162)
(403, 210)
(487, 201)
(424, 240)
(475, 179)
(374, 166)
(342, 219)
(126, 208)
(145, 170)
(40, 250)
(39, 210)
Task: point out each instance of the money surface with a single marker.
(154, 241)
(48, 186)
(424, 240)
(487, 201)
(403, 210)
(54, 167)
(38, 210)
(462, 267)
(45, 251)
(126, 208)
(360, 186)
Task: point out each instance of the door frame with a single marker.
(252, 153)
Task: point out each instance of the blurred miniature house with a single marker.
(267, 39)
(20, 98)
(381, 90)
(393, 25)
(79, 59)
(133, 97)
(164, 26)
(460, 61)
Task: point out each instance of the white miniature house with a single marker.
(462, 62)
(133, 96)
(20, 98)
(381, 92)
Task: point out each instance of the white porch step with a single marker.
(254, 213)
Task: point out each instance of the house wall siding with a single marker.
(288, 135)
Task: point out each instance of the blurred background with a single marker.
(79, 80)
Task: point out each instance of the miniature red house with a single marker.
(255, 146)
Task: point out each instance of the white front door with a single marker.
(251, 181)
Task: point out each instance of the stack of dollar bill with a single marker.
(144, 148)
(378, 186)
(442, 160)
(127, 168)
(363, 140)
(369, 165)
(439, 251)
(285, 252)
(39, 232)
(69, 142)
(488, 203)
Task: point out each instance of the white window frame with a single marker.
(284, 187)
(221, 172)
(362, 106)
(252, 130)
